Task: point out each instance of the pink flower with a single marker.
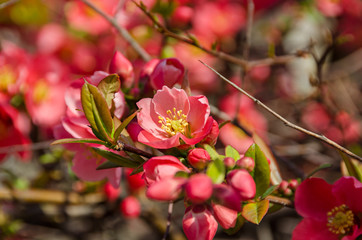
(198, 188)
(130, 207)
(158, 168)
(242, 182)
(198, 158)
(329, 211)
(199, 223)
(172, 118)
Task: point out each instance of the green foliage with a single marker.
(254, 212)
(78, 140)
(261, 173)
(124, 125)
(108, 87)
(352, 169)
(232, 152)
(117, 159)
(269, 191)
(216, 171)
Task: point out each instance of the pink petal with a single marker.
(147, 118)
(313, 230)
(152, 141)
(168, 99)
(201, 134)
(225, 216)
(348, 190)
(199, 112)
(167, 189)
(314, 198)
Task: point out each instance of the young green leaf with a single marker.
(100, 124)
(108, 87)
(261, 173)
(115, 158)
(108, 165)
(78, 140)
(216, 171)
(86, 99)
(269, 191)
(213, 154)
(254, 212)
(232, 152)
(124, 124)
(352, 169)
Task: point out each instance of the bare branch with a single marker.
(122, 31)
(285, 121)
(249, 26)
(8, 3)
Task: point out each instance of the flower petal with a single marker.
(159, 143)
(348, 190)
(167, 189)
(312, 230)
(147, 118)
(168, 99)
(199, 112)
(314, 198)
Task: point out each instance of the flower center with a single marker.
(340, 220)
(174, 123)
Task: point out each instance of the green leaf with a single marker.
(103, 134)
(135, 157)
(78, 140)
(232, 152)
(212, 152)
(108, 165)
(353, 170)
(101, 106)
(108, 87)
(115, 158)
(261, 173)
(124, 124)
(254, 212)
(86, 99)
(137, 170)
(239, 223)
(216, 171)
(269, 191)
(321, 167)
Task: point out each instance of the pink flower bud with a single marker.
(242, 182)
(288, 192)
(227, 196)
(199, 223)
(198, 158)
(225, 216)
(246, 163)
(130, 207)
(293, 184)
(135, 182)
(111, 192)
(168, 72)
(199, 188)
(166, 189)
(123, 67)
(283, 185)
(212, 136)
(229, 162)
(162, 167)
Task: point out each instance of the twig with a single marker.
(8, 3)
(281, 201)
(249, 26)
(25, 147)
(224, 56)
(169, 215)
(50, 196)
(286, 122)
(122, 31)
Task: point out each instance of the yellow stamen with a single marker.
(174, 123)
(340, 220)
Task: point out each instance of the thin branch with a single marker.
(169, 215)
(8, 3)
(285, 121)
(281, 201)
(249, 27)
(122, 31)
(224, 56)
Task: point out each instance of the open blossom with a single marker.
(173, 118)
(329, 211)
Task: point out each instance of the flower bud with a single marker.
(212, 136)
(283, 185)
(225, 216)
(229, 162)
(199, 223)
(288, 192)
(111, 192)
(130, 207)
(246, 163)
(199, 188)
(123, 67)
(168, 72)
(293, 184)
(198, 158)
(242, 182)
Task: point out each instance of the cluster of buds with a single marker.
(287, 188)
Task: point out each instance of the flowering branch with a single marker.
(285, 121)
(122, 31)
(224, 56)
